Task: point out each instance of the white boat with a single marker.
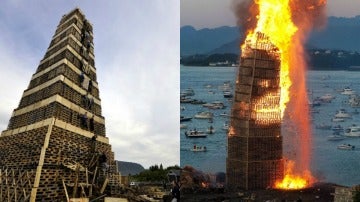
(335, 137)
(195, 133)
(224, 114)
(326, 98)
(188, 92)
(226, 127)
(342, 114)
(183, 118)
(204, 115)
(323, 126)
(210, 130)
(346, 147)
(337, 119)
(227, 94)
(353, 131)
(337, 128)
(183, 126)
(347, 91)
(214, 105)
(198, 148)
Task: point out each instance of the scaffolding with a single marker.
(254, 140)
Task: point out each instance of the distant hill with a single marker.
(339, 34)
(202, 41)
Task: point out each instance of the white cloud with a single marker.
(137, 61)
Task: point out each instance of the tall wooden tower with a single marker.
(55, 140)
(254, 141)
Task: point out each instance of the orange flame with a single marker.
(275, 22)
(294, 181)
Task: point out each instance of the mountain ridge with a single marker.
(226, 39)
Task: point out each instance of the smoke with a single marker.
(307, 14)
(245, 12)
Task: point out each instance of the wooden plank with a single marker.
(104, 185)
(66, 193)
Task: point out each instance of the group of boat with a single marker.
(207, 111)
(339, 132)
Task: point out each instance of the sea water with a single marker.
(327, 162)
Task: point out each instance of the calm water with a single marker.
(328, 163)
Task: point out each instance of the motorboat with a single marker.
(323, 126)
(347, 91)
(227, 94)
(337, 119)
(326, 98)
(342, 114)
(183, 119)
(183, 126)
(197, 102)
(226, 127)
(198, 148)
(215, 105)
(188, 92)
(335, 137)
(224, 114)
(346, 147)
(352, 131)
(204, 115)
(185, 99)
(210, 130)
(337, 128)
(195, 134)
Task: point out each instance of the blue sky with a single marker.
(216, 13)
(137, 59)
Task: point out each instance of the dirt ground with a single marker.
(321, 192)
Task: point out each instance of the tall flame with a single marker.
(275, 22)
(287, 23)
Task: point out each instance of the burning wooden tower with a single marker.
(55, 144)
(254, 139)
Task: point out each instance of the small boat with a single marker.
(326, 98)
(183, 119)
(204, 115)
(342, 113)
(194, 133)
(337, 128)
(335, 137)
(183, 126)
(224, 114)
(210, 130)
(227, 94)
(346, 147)
(185, 100)
(337, 119)
(214, 105)
(182, 108)
(197, 102)
(323, 126)
(226, 127)
(188, 92)
(198, 148)
(347, 91)
(352, 131)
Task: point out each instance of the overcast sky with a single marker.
(216, 13)
(137, 61)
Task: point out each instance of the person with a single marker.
(91, 123)
(175, 192)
